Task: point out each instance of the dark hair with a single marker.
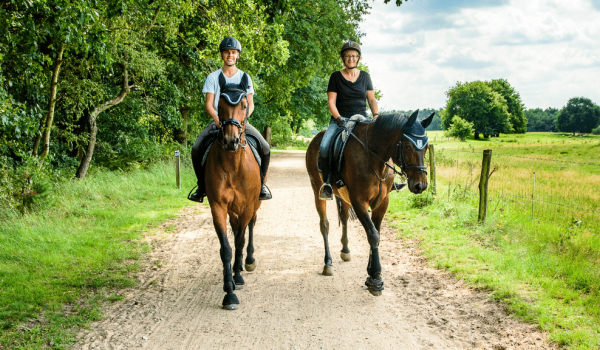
(390, 122)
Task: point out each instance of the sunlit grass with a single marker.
(87, 241)
(545, 267)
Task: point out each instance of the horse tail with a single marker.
(340, 208)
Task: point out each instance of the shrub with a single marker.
(596, 131)
(460, 128)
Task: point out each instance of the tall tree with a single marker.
(478, 103)
(579, 115)
(514, 105)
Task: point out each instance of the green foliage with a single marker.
(459, 128)
(596, 131)
(579, 115)
(541, 119)
(492, 106)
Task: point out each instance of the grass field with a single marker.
(545, 266)
(58, 264)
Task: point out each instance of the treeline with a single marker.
(117, 83)
(580, 115)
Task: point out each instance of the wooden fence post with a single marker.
(483, 184)
(432, 168)
(177, 170)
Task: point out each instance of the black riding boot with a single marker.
(200, 193)
(326, 191)
(397, 187)
(265, 192)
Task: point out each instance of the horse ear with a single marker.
(244, 82)
(411, 120)
(425, 122)
(222, 81)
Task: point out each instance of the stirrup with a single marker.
(398, 187)
(267, 196)
(194, 198)
(322, 196)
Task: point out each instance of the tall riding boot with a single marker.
(326, 191)
(265, 193)
(200, 193)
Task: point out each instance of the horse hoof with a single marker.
(345, 256)
(375, 292)
(230, 307)
(230, 302)
(328, 270)
(250, 267)
(239, 281)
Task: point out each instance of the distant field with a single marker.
(541, 257)
(567, 173)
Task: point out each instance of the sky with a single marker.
(548, 50)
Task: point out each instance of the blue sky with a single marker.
(549, 50)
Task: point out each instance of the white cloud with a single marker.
(548, 50)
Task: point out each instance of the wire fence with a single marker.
(533, 188)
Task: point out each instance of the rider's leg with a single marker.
(326, 191)
(265, 159)
(197, 153)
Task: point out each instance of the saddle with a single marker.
(338, 146)
(251, 141)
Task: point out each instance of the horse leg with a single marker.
(344, 215)
(230, 300)
(324, 225)
(240, 240)
(379, 212)
(250, 261)
(374, 281)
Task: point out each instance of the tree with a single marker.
(579, 115)
(478, 103)
(514, 105)
(541, 119)
(460, 128)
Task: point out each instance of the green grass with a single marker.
(58, 264)
(546, 272)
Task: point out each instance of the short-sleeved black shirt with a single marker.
(351, 96)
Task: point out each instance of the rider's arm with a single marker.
(372, 103)
(331, 98)
(250, 104)
(210, 108)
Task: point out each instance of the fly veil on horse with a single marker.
(233, 184)
(361, 178)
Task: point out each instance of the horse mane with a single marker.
(390, 122)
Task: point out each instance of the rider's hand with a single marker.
(218, 124)
(340, 121)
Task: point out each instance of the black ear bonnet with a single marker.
(415, 133)
(233, 93)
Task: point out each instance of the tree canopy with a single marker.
(492, 106)
(579, 115)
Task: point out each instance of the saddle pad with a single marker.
(341, 140)
(254, 146)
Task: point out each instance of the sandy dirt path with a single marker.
(286, 303)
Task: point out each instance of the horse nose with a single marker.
(418, 188)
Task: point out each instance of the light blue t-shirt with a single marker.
(211, 85)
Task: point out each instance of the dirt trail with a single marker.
(286, 303)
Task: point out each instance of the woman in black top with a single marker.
(347, 95)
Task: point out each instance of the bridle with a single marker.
(399, 156)
(233, 121)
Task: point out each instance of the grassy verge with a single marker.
(58, 264)
(546, 274)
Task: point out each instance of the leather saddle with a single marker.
(251, 141)
(338, 146)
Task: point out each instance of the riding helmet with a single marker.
(350, 45)
(230, 43)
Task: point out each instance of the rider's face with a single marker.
(350, 58)
(230, 56)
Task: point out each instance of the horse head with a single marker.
(410, 154)
(233, 112)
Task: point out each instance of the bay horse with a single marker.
(232, 187)
(365, 173)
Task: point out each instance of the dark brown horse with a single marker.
(368, 180)
(232, 187)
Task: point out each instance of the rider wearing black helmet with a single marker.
(230, 49)
(347, 94)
